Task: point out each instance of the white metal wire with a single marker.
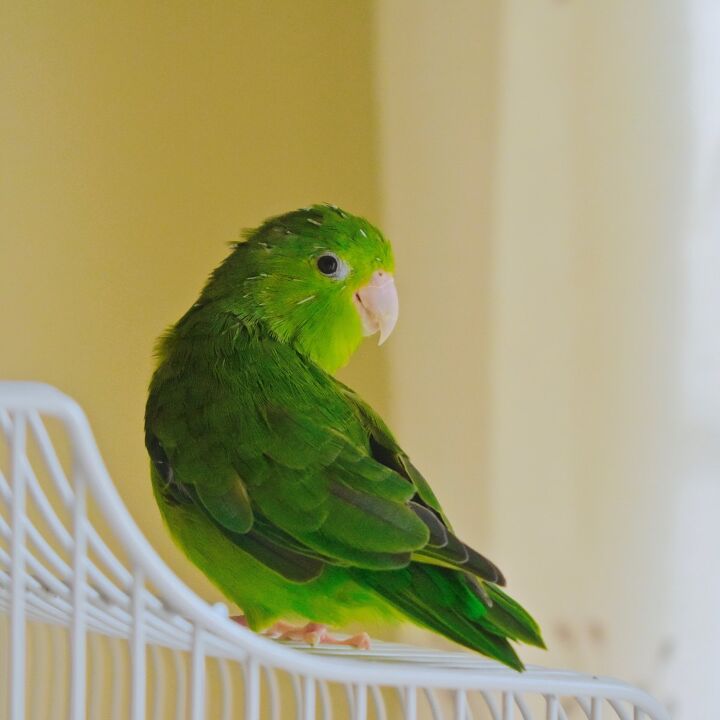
(86, 631)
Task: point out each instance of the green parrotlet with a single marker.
(285, 488)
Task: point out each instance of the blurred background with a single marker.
(549, 173)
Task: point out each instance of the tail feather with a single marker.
(442, 600)
(512, 619)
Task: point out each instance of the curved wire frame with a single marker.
(85, 630)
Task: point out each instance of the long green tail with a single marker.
(446, 601)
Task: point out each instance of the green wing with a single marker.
(272, 453)
(297, 471)
(438, 597)
(445, 548)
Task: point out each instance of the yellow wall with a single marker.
(137, 140)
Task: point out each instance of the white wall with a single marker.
(695, 595)
(544, 180)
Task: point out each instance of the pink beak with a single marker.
(377, 303)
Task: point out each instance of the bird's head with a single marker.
(318, 278)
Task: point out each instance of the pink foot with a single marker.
(316, 634)
(313, 634)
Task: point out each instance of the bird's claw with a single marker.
(313, 634)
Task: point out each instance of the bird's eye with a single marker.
(327, 264)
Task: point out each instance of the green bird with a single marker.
(286, 489)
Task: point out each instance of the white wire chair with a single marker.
(90, 632)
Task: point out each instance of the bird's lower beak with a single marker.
(377, 303)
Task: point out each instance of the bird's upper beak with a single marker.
(377, 303)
